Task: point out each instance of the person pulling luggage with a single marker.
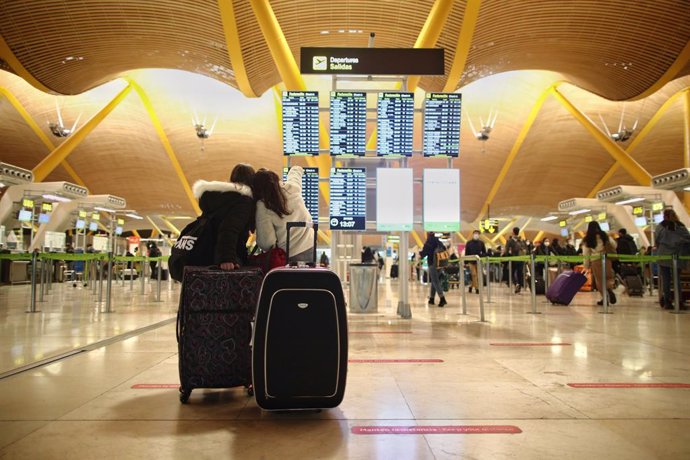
(429, 251)
(597, 243)
(474, 247)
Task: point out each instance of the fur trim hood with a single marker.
(202, 186)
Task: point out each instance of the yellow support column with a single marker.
(538, 236)
(626, 161)
(462, 237)
(14, 102)
(170, 225)
(59, 154)
(417, 239)
(232, 41)
(462, 48)
(514, 151)
(510, 226)
(8, 56)
(166, 143)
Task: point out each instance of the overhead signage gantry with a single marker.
(653, 199)
(14, 175)
(372, 61)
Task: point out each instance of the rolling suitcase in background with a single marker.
(631, 279)
(300, 338)
(214, 328)
(564, 287)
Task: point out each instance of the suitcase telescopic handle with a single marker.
(290, 226)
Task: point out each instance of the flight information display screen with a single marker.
(300, 123)
(442, 112)
(348, 123)
(310, 190)
(348, 207)
(395, 124)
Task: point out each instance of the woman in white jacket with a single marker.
(277, 204)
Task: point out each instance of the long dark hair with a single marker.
(242, 173)
(593, 229)
(671, 220)
(267, 188)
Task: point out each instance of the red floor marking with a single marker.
(441, 429)
(380, 361)
(155, 386)
(629, 385)
(380, 332)
(530, 344)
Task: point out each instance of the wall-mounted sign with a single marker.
(300, 123)
(394, 199)
(588, 219)
(372, 61)
(658, 207)
(441, 134)
(441, 200)
(47, 207)
(27, 203)
(601, 216)
(563, 223)
(638, 210)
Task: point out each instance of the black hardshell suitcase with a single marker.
(300, 338)
(214, 328)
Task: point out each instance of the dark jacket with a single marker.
(543, 250)
(232, 209)
(626, 245)
(475, 248)
(515, 246)
(429, 249)
(672, 238)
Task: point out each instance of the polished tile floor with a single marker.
(468, 376)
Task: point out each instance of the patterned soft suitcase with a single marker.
(564, 287)
(300, 339)
(214, 328)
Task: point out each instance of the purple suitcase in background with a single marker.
(214, 328)
(565, 286)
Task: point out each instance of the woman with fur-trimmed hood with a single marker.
(231, 207)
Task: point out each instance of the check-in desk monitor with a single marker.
(348, 206)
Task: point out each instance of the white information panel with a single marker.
(100, 243)
(55, 240)
(394, 199)
(442, 200)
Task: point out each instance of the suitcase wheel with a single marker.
(184, 395)
(250, 390)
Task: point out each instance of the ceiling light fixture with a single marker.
(549, 218)
(61, 199)
(134, 216)
(579, 211)
(630, 200)
(98, 208)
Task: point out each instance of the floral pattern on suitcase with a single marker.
(216, 310)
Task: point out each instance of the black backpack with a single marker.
(194, 247)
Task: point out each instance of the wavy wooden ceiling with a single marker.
(587, 43)
(615, 48)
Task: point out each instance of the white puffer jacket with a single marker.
(271, 230)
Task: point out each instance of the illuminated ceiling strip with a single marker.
(621, 156)
(639, 138)
(462, 49)
(680, 62)
(8, 56)
(427, 38)
(166, 143)
(232, 40)
(170, 225)
(36, 129)
(49, 163)
(514, 151)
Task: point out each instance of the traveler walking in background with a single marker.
(672, 238)
(429, 251)
(277, 204)
(474, 247)
(625, 243)
(231, 209)
(596, 243)
(516, 246)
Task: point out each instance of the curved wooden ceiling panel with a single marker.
(617, 49)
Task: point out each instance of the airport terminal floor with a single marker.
(567, 383)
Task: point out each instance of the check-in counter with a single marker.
(19, 271)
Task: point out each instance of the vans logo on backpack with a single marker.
(186, 243)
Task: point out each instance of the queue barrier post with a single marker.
(158, 279)
(131, 276)
(480, 285)
(43, 277)
(462, 286)
(100, 281)
(143, 277)
(533, 289)
(488, 280)
(32, 300)
(109, 285)
(510, 275)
